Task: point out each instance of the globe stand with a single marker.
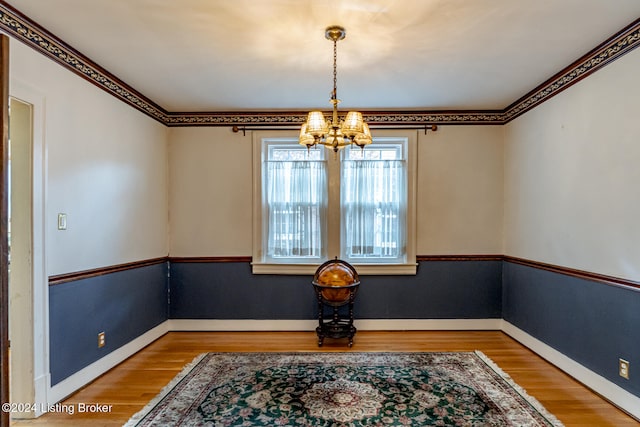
(338, 326)
(336, 283)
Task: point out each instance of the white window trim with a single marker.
(407, 268)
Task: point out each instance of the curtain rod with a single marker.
(244, 129)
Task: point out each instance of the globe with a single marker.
(335, 279)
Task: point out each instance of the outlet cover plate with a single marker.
(623, 368)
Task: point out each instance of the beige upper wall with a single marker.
(572, 179)
(105, 166)
(561, 179)
(118, 174)
(210, 188)
(459, 191)
(460, 175)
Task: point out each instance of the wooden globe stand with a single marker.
(336, 283)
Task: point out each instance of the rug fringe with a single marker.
(521, 391)
(138, 416)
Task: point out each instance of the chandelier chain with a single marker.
(333, 132)
(335, 70)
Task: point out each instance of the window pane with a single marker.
(373, 203)
(294, 191)
(375, 152)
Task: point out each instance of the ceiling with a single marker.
(254, 55)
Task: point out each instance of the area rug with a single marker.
(343, 389)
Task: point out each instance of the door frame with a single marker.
(4, 215)
(40, 288)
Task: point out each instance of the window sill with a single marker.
(310, 269)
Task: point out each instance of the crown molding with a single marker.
(38, 38)
(624, 41)
(20, 27)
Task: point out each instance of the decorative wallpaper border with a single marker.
(612, 49)
(29, 32)
(33, 35)
(374, 118)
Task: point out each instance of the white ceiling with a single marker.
(252, 55)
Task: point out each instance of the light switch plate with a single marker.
(62, 221)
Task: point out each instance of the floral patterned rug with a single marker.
(343, 389)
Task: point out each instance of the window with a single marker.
(310, 205)
(373, 203)
(294, 203)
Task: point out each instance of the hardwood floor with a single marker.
(132, 384)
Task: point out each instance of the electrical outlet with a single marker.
(623, 368)
(101, 340)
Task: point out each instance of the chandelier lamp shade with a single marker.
(335, 133)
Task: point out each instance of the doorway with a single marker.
(28, 293)
(20, 259)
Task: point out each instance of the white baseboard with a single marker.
(73, 383)
(41, 386)
(609, 390)
(310, 325)
(428, 324)
(614, 393)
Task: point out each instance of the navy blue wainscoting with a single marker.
(440, 290)
(123, 304)
(593, 323)
(228, 290)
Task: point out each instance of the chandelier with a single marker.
(335, 133)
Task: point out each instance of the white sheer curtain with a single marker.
(295, 193)
(373, 210)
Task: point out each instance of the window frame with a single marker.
(333, 234)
